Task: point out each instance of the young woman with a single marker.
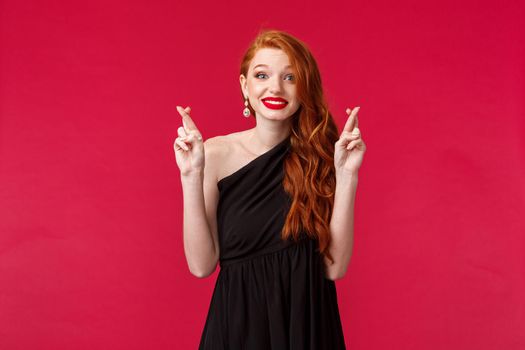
(273, 205)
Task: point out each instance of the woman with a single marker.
(273, 205)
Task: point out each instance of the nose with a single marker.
(275, 85)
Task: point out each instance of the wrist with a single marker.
(192, 177)
(342, 174)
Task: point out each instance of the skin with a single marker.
(223, 155)
(276, 80)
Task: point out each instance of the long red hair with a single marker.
(309, 176)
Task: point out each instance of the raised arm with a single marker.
(200, 196)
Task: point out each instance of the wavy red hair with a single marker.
(309, 176)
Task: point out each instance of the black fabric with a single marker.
(269, 294)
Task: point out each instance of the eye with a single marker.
(291, 76)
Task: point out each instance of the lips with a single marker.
(276, 99)
(278, 103)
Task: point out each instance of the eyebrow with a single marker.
(264, 65)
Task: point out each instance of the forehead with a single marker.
(274, 58)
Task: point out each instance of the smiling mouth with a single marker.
(275, 104)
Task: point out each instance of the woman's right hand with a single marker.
(188, 146)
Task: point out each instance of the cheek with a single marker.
(255, 89)
(292, 91)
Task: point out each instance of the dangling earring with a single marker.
(246, 110)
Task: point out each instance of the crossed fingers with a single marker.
(188, 132)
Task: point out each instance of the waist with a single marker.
(225, 262)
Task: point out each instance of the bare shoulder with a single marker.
(215, 149)
(218, 147)
(224, 153)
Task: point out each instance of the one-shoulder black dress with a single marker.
(269, 294)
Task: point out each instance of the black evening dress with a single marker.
(269, 293)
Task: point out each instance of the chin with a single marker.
(280, 116)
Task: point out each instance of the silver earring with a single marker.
(246, 110)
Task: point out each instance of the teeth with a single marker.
(275, 102)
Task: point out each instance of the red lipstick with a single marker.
(278, 103)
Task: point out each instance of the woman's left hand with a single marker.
(350, 148)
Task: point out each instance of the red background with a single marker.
(91, 252)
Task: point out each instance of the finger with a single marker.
(188, 123)
(181, 132)
(197, 135)
(346, 138)
(352, 144)
(356, 117)
(355, 132)
(350, 122)
(185, 109)
(192, 136)
(181, 144)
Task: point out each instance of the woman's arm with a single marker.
(201, 195)
(342, 226)
(348, 156)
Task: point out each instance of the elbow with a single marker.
(203, 269)
(203, 273)
(200, 274)
(335, 276)
(335, 272)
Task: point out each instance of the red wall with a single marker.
(91, 252)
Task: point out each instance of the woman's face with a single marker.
(270, 76)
